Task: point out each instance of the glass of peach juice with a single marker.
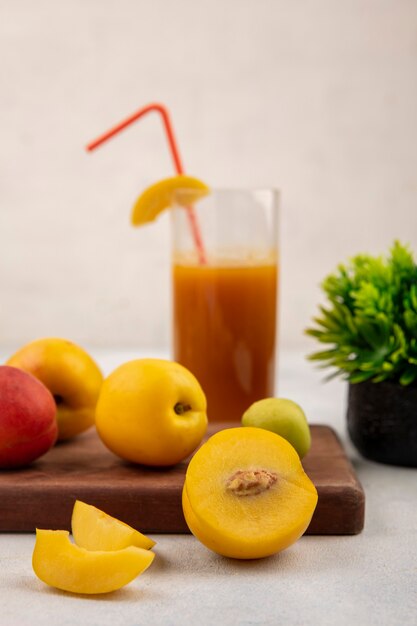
(225, 302)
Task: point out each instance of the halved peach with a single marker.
(64, 565)
(93, 529)
(246, 494)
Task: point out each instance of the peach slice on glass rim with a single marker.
(93, 529)
(64, 565)
(181, 189)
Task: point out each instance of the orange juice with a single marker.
(225, 331)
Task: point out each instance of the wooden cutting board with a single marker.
(43, 495)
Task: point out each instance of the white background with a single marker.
(318, 98)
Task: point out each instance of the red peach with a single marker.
(28, 425)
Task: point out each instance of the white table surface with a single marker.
(365, 579)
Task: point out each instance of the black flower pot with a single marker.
(382, 422)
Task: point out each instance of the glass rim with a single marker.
(275, 190)
(273, 193)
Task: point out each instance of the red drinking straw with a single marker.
(173, 146)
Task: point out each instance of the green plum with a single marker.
(281, 416)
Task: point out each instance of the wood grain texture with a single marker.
(43, 495)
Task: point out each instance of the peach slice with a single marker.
(93, 529)
(64, 565)
(182, 189)
(246, 494)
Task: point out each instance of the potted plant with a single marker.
(370, 327)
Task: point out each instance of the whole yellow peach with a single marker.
(151, 411)
(70, 374)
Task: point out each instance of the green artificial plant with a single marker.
(370, 322)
